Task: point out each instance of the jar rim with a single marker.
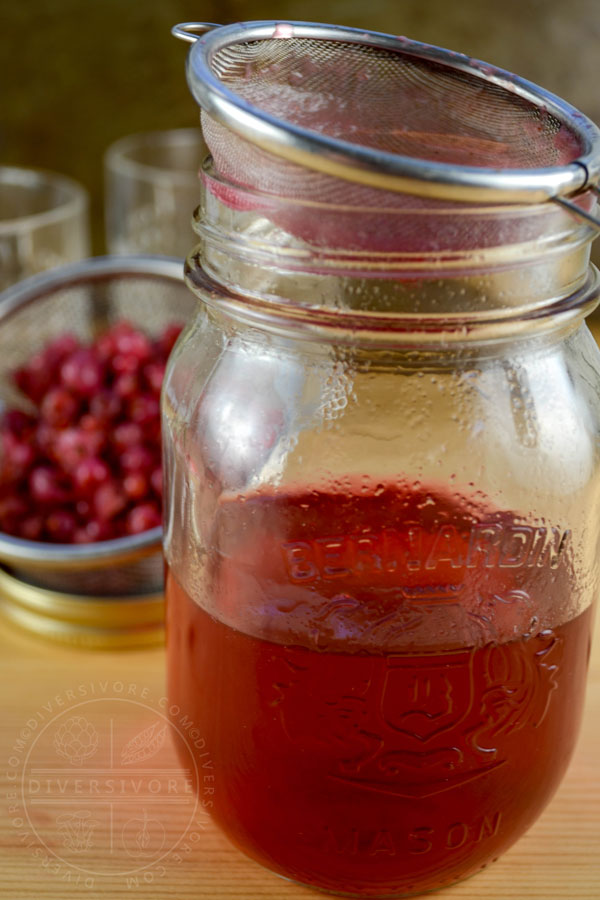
(343, 325)
(290, 258)
(414, 235)
(422, 206)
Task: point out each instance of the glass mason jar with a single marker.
(382, 528)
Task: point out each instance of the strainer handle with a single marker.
(191, 31)
(579, 213)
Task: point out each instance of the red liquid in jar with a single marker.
(385, 699)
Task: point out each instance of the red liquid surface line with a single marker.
(353, 755)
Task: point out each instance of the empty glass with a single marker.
(43, 222)
(152, 189)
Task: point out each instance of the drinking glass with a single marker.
(43, 222)
(152, 188)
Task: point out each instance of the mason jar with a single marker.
(381, 528)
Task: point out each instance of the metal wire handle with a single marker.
(579, 213)
(191, 31)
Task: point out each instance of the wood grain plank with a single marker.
(558, 859)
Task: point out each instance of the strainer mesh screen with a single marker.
(394, 102)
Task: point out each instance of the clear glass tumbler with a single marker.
(43, 222)
(152, 188)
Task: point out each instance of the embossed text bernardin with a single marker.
(410, 548)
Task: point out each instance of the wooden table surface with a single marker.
(63, 836)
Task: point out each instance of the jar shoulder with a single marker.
(255, 409)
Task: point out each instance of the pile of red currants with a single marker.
(84, 464)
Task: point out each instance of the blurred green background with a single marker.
(80, 73)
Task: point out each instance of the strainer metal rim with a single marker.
(38, 554)
(376, 168)
(95, 267)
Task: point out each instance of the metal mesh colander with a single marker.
(307, 110)
(85, 298)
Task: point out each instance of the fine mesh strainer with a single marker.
(85, 298)
(368, 119)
